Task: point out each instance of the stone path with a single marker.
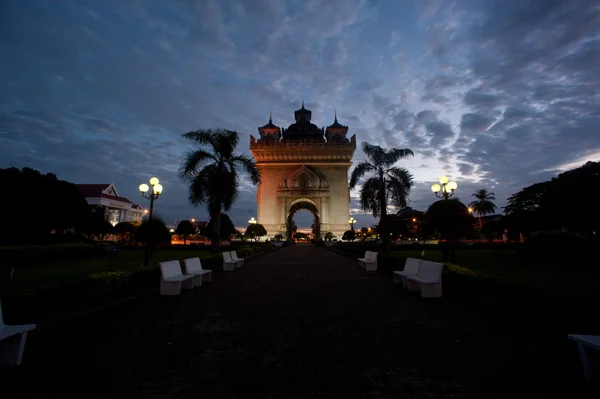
(300, 322)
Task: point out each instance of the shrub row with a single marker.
(22, 308)
(32, 253)
(80, 293)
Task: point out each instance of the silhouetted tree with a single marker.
(483, 204)
(213, 173)
(153, 232)
(124, 230)
(227, 229)
(451, 218)
(387, 183)
(256, 230)
(35, 205)
(349, 235)
(185, 228)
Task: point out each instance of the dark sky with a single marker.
(495, 94)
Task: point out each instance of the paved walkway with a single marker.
(300, 322)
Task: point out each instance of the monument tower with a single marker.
(303, 167)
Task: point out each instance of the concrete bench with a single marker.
(590, 360)
(229, 265)
(193, 267)
(172, 280)
(428, 280)
(240, 261)
(12, 342)
(411, 268)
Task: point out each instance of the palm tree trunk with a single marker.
(216, 239)
(385, 237)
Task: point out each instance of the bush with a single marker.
(562, 245)
(101, 284)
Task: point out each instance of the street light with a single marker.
(352, 221)
(252, 221)
(447, 188)
(154, 194)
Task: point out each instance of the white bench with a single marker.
(369, 262)
(229, 264)
(411, 268)
(587, 343)
(428, 280)
(361, 260)
(235, 258)
(12, 342)
(192, 266)
(172, 280)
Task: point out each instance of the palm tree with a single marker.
(484, 204)
(212, 172)
(387, 183)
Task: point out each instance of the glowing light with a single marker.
(154, 181)
(443, 180)
(452, 185)
(144, 188)
(436, 188)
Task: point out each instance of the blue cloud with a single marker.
(493, 94)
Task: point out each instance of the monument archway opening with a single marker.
(303, 167)
(298, 206)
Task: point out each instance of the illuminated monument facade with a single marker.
(303, 167)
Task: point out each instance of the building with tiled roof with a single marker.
(117, 209)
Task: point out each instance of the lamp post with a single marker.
(252, 221)
(152, 195)
(445, 191)
(447, 188)
(352, 221)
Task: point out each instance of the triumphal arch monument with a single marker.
(303, 167)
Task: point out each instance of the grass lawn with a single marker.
(29, 277)
(553, 278)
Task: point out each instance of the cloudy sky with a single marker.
(496, 94)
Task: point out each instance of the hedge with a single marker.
(86, 290)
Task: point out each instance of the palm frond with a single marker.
(202, 136)
(374, 153)
(226, 141)
(249, 166)
(359, 171)
(369, 199)
(393, 155)
(194, 160)
(398, 184)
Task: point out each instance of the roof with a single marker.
(337, 125)
(96, 191)
(91, 190)
(269, 125)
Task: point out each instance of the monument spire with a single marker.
(270, 116)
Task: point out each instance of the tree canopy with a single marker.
(451, 218)
(227, 228)
(349, 235)
(256, 230)
(557, 204)
(37, 205)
